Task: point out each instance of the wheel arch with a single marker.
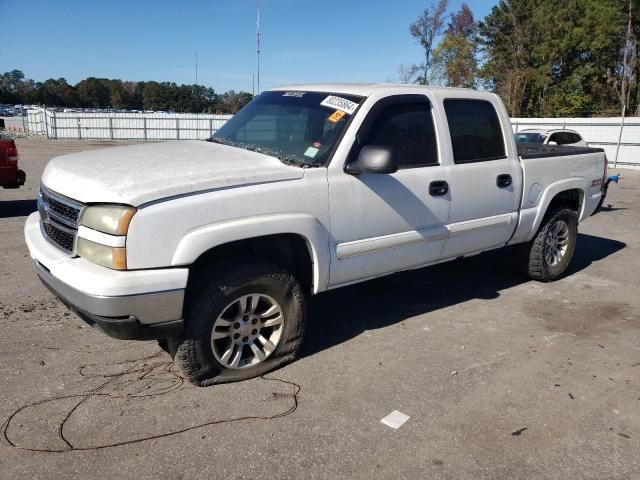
(569, 192)
(299, 243)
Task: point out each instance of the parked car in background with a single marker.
(550, 137)
(10, 175)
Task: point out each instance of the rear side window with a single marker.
(476, 134)
(406, 128)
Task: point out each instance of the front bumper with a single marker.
(120, 317)
(138, 304)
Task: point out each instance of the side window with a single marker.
(575, 138)
(476, 134)
(555, 138)
(406, 128)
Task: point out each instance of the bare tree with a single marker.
(425, 30)
(623, 87)
(407, 73)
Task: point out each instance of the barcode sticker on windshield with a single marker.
(311, 152)
(339, 103)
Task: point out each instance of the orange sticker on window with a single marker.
(337, 115)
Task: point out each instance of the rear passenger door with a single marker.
(483, 212)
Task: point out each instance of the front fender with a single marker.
(199, 241)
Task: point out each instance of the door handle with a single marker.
(438, 188)
(504, 180)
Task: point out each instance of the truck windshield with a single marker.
(297, 127)
(530, 137)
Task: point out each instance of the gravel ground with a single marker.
(501, 377)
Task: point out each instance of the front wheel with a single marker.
(547, 256)
(245, 318)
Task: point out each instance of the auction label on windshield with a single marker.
(339, 103)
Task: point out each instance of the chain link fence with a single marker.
(123, 126)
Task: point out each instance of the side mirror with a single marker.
(374, 159)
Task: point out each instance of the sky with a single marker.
(303, 41)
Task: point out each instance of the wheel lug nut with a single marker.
(236, 325)
(246, 318)
(245, 339)
(254, 331)
(237, 335)
(254, 321)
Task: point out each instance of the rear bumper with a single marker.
(12, 177)
(120, 317)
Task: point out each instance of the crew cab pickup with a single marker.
(10, 175)
(212, 246)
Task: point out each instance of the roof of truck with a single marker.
(361, 89)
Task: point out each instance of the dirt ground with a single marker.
(501, 377)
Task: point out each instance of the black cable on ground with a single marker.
(156, 373)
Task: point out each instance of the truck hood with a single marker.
(139, 174)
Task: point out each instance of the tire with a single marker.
(533, 258)
(220, 294)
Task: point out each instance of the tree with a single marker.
(94, 92)
(407, 73)
(566, 63)
(454, 59)
(118, 94)
(627, 73)
(425, 30)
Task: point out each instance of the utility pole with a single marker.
(258, 46)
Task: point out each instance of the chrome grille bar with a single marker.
(59, 219)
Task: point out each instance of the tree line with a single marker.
(544, 58)
(117, 94)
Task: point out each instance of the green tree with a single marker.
(549, 58)
(94, 92)
(455, 58)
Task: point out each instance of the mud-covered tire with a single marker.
(215, 289)
(531, 257)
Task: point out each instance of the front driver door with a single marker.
(382, 223)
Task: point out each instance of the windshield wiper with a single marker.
(287, 160)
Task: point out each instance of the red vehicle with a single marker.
(10, 175)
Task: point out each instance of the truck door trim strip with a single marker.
(429, 234)
(386, 242)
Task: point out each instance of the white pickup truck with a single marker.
(212, 246)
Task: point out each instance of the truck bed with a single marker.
(534, 150)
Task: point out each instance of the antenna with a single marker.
(258, 46)
(196, 67)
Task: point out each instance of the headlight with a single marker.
(102, 241)
(112, 257)
(111, 219)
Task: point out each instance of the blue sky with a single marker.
(303, 40)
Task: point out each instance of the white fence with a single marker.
(606, 133)
(123, 126)
(598, 132)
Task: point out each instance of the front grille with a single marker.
(59, 219)
(64, 211)
(59, 237)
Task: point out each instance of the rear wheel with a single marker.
(547, 256)
(246, 318)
